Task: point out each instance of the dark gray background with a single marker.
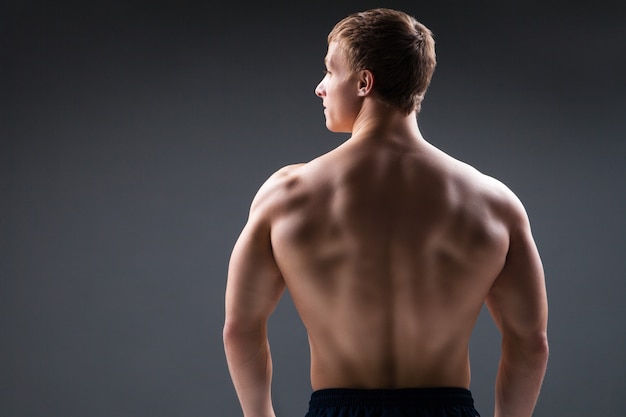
(134, 137)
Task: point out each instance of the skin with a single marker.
(389, 248)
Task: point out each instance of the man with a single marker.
(389, 248)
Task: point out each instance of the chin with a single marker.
(337, 129)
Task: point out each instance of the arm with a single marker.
(518, 304)
(254, 287)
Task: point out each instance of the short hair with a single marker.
(396, 48)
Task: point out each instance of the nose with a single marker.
(319, 90)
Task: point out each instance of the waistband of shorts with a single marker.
(350, 397)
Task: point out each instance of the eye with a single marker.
(325, 72)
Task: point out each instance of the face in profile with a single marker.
(339, 91)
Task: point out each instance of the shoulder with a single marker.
(274, 191)
(504, 203)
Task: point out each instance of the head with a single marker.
(397, 50)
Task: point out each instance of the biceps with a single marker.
(254, 283)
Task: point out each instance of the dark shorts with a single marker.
(403, 402)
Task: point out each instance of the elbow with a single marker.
(228, 333)
(243, 342)
(537, 353)
(231, 333)
(532, 350)
(231, 337)
(542, 348)
(236, 332)
(537, 344)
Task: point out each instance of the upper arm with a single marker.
(517, 300)
(255, 283)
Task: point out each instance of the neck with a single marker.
(379, 122)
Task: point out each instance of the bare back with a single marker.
(389, 251)
(388, 246)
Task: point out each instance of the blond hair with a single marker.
(396, 48)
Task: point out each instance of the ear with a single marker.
(366, 83)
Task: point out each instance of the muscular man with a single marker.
(389, 248)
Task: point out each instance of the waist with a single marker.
(350, 397)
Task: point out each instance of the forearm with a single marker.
(250, 366)
(520, 375)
